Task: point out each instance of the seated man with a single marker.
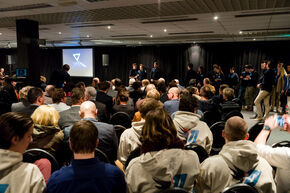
(229, 105)
(23, 102)
(189, 127)
(49, 90)
(172, 104)
(103, 97)
(206, 103)
(86, 173)
(59, 100)
(238, 162)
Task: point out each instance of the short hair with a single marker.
(206, 92)
(136, 85)
(13, 124)
(232, 68)
(149, 104)
(76, 95)
(159, 130)
(192, 82)
(33, 94)
(81, 85)
(117, 82)
(91, 92)
(42, 79)
(153, 94)
(223, 86)
(188, 103)
(190, 65)
(45, 115)
(236, 129)
(122, 96)
(229, 93)
(172, 84)
(24, 92)
(134, 64)
(161, 87)
(49, 88)
(145, 82)
(206, 80)
(58, 95)
(83, 137)
(149, 87)
(104, 85)
(66, 67)
(193, 90)
(131, 81)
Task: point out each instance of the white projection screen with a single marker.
(80, 61)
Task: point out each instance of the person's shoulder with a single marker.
(113, 171)
(59, 176)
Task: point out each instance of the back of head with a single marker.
(117, 82)
(33, 94)
(49, 89)
(123, 96)
(206, 92)
(13, 124)
(161, 80)
(103, 86)
(88, 108)
(81, 85)
(150, 87)
(145, 82)
(172, 84)
(153, 94)
(161, 87)
(83, 137)
(58, 95)
(131, 81)
(236, 129)
(136, 85)
(149, 104)
(229, 94)
(188, 103)
(45, 115)
(24, 92)
(76, 95)
(66, 67)
(222, 87)
(190, 65)
(43, 79)
(91, 92)
(174, 91)
(206, 81)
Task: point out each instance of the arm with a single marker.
(262, 137)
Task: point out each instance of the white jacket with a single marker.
(17, 176)
(129, 141)
(157, 170)
(237, 162)
(192, 130)
(278, 157)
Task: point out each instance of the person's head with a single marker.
(88, 110)
(206, 92)
(24, 92)
(145, 82)
(134, 66)
(149, 104)
(288, 68)
(193, 90)
(49, 89)
(232, 70)
(215, 67)
(77, 96)
(188, 103)
(137, 85)
(141, 67)
(177, 81)
(155, 64)
(122, 97)
(192, 82)
(161, 80)
(95, 82)
(263, 64)
(45, 115)
(159, 129)
(149, 87)
(104, 86)
(117, 82)
(154, 94)
(16, 131)
(172, 84)
(81, 85)
(236, 129)
(83, 137)
(270, 65)
(228, 94)
(222, 87)
(42, 79)
(90, 93)
(200, 69)
(206, 81)
(66, 67)
(131, 81)
(2, 70)
(58, 96)
(251, 68)
(189, 66)
(35, 96)
(173, 93)
(161, 87)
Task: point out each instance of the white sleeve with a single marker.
(278, 157)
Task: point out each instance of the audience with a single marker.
(172, 104)
(23, 101)
(59, 100)
(49, 90)
(103, 97)
(123, 105)
(206, 103)
(86, 173)
(15, 135)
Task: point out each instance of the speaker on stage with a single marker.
(105, 59)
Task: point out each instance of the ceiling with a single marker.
(135, 22)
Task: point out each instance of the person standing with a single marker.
(61, 77)
(233, 79)
(142, 73)
(250, 89)
(155, 72)
(280, 85)
(200, 77)
(244, 82)
(133, 72)
(190, 74)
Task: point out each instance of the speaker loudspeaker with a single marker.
(9, 59)
(105, 59)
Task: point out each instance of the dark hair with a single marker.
(118, 82)
(223, 86)
(188, 103)
(83, 137)
(161, 87)
(192, 82)
(81, 85)
(122, 96)
(201, 68)
(13, 124)
(103, 86)
(206, 92)
(76, 95)
(136, 85)
(190, 65)
(172, 84)
(58, 95)
(33, 94)
(149, 104)
(232, 68)
(66, 67)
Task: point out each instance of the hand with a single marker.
(259, 86)
(271, 122)
(286, 126)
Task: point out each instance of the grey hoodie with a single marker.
(16, 176)
(192, 130)
(157, 170)
(238, 162)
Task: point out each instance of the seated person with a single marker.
(122, 104)
(237, 162)
(219, 98)
(172, 104)
(23, 102)
(59, 100)
(86, 173)
(161, 87)
(163, 163)
(137, 93)
(206, 103)
(278, 157)
(189, 127)
(229, 105)
(103, 97)
(15, 135)
(130, 138)
(49, 90)
(206, 82)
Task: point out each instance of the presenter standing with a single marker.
(155, 72)
(133, 72)
(142, 73)
(61, 77)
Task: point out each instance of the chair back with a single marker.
(240, 188)
(34, 154)
(218, 140)
(255, 130)
(101, 156)
(121, 118)
(281, 144)
(119, 129)
(211, 117)
(199, 150)
(173, 190)
(232, 114)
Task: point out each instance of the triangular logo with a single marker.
(77, 56)
(3, 188)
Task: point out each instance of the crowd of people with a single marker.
(158, 151)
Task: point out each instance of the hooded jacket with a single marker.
(130, 140)
(16, 176)
(238, 162)
(193, 131)
(158, 170)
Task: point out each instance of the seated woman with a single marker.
(163, 163)
(122, 104)
(15, 135)
(46, 134)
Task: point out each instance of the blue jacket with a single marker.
(88, 175)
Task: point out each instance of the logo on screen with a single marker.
(77, 57)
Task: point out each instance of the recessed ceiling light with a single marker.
(109, 27)
(0, 34)
(254, 39)
(215, 17)
(88, 36)
(151, 36)
(59, 33)
(194, 42)
(140, 42)
(240, 32)
(165, 30)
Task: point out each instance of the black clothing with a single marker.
(155, 73)
(199, 79)
(190, 74)
(105, 99)
(133, 72)
(233, 80)
(58, 77)
(268, 80)
(142, 74)
(254, 79)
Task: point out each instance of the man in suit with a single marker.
(71, 116)
(103, 97)
(91, 94)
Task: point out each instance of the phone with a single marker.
(280, 121)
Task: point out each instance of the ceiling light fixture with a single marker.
(215, 17)
(151, 36)
(109, 27)
(59, 33)
(240, 32)
(254, 39)
(165, 30)
(88, 36)
(140, 42)
(0, 34)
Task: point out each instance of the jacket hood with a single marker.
(41, 131)
(186, 120)
(240, 154)
(162, 164)
(8, 159)
(137, 128)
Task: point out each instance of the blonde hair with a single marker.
(153, 94)
(145, 82)
(45, 115)
(24, 91)
(43, 79)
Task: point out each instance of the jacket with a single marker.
(17, 176)
(238, 162)
(157, 170)
(130, 140)
(69, 117)
(193, 131)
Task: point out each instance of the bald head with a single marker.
(49, 89)
(88, 110)
(236, 129)
(173, 93)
